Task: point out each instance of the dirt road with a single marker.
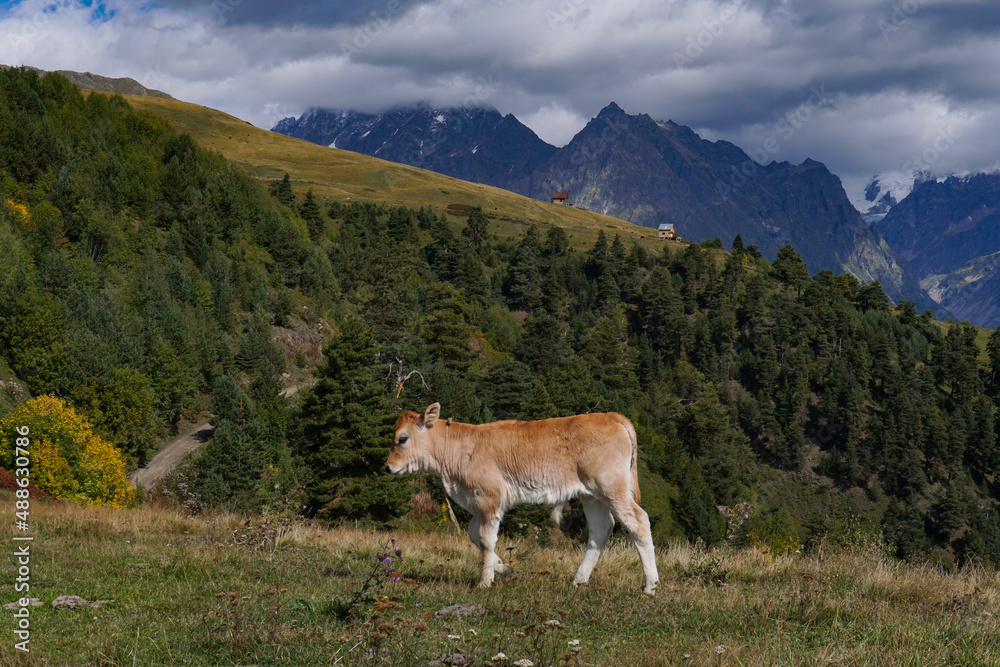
(171, 456)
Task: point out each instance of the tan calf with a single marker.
(489, 468)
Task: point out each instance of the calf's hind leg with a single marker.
(637, 521)
(599, 525)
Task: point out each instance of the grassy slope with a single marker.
(195, 591)
(338, 174)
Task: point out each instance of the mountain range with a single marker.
(639, 169)
(948, 230)
(473, 144)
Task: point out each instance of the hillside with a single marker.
(106, 84)
(350, 176)
(971, 292)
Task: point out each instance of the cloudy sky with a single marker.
(866, 86)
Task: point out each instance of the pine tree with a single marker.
(790, 269)
(310, 212)
(993, 373)
(663, 315)
(695, 509)
(282, 191)
(471, 278)
(556, 242)
(128, 413)
(445, 328)
(401, 226)
(738, 248)
(542, 345)
(605, 349)
(573, 390)
(608, 294)
(506, 388)
(538, 404)
(905, 528)
(615, 263)
(524, 275)
(245, 459)
(231, 466)
(597, 256)
(458, 395)
(444, 255)
(708, 434)
(948, 513)
(982, 453)
(476, 229)
(346, 430)
(872, 297)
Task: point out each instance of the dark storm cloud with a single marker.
(958, 21)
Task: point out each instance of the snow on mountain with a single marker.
(885, 191)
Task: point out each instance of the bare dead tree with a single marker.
(402, 377)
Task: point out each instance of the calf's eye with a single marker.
(402, 439)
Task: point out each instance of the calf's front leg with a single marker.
(489, 525)
(498, 567)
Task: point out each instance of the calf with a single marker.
(489, 468)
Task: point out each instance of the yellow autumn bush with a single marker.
(19, 213)
(68, 460)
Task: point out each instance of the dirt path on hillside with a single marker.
(288, 392)
(171, 455)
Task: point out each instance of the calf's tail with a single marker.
(635, 461)
(557, 513)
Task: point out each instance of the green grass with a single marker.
(210, 591)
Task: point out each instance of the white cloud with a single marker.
(554, 123)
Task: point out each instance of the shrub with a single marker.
(68, 460)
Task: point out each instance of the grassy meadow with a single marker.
(220, 589)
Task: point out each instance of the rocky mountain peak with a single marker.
(612, 109)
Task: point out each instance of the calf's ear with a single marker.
(430, 415)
